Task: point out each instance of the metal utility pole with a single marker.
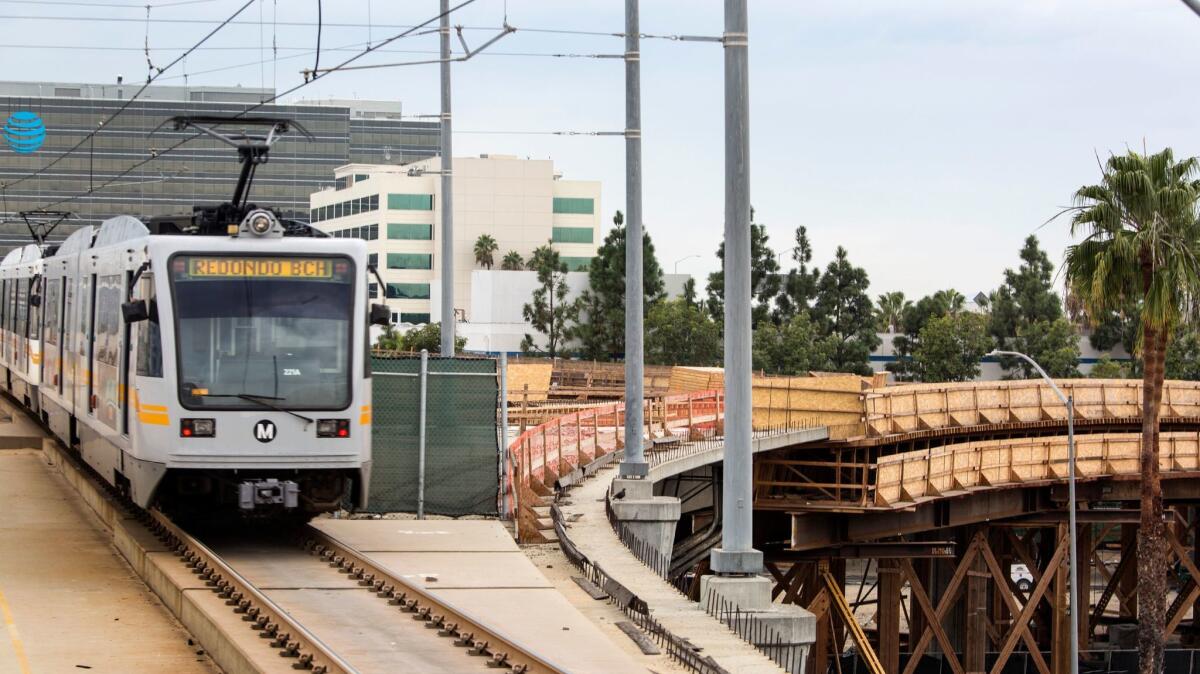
(737, 554)
(1073, 544)
(447, 192)
(634, 464)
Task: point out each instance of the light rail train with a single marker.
(217, 360)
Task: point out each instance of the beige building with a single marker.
(521, 203)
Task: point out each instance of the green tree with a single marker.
(689, 291)
(954, 301)
(793, 348)
(1183, 355)
(485, 250)
(1107, 368)
(1056, 345)
(428, 337)
(681, 333)
(914, 317)
(889, 311)
(512, 261)
(844, 312)
(1027, 316)
(951, 347)
(800, 285)
(764, 277)
(1141, 238)
(602, 332)
(549, 312)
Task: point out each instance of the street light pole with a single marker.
(447, 205)
(685, 257)
(1069, 401)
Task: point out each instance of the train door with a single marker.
(52, 346)
(87, 343)
(22, 327)
(69, 324)
(108, 352)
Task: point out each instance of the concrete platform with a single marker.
(476, 563)
(69, 601)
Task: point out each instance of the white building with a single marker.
(521, 203)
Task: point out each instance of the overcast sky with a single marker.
(928, 137)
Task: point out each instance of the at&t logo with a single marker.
(24, 132)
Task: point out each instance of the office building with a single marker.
(521, 203)
(203, 171)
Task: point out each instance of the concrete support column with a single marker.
(651, 518)
(784, 627)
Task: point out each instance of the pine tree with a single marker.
(602, 330)
(764, 277)
(844, 312)
(1027, 316)
(800, 285)
(549, 312)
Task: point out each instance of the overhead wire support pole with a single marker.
(447, 204)
(634, 464)
(736, 555)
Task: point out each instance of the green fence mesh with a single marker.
(461, 440)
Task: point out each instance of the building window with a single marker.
(577, 263)
(416, 319)
(344, 208)
(404, 230)
(373, 259)
(410, 202)
(408, 291)
(409, 261)
(574, 205)
(359, 177)
(373, 290)
(573, 235)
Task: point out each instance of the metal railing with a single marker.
(678, 648)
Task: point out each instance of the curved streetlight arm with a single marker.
(1017, 354)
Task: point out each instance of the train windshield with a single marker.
(257, 332)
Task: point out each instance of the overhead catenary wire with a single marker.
(156, 154)
(128, 102)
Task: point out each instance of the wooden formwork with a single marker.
(911, 477)
(833, 401)
(922, 407)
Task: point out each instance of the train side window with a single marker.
(53, 307)
(149, 334)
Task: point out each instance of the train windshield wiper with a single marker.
(255, 398)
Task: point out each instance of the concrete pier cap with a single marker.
(651, 518)
(773, 627)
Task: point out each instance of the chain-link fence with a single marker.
(460, 471)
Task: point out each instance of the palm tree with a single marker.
(485, 246)
(1142, 239)
(890, 310)
(953, 300)
(512, 261)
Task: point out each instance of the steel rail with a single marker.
(263, 615)
(448, 618)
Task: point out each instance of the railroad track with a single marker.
(245, 608)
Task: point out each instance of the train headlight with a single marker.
(333, 428)
(197, 428)
(260, 224)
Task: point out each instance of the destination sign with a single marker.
(259, 267)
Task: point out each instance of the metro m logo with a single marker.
(264, 431)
